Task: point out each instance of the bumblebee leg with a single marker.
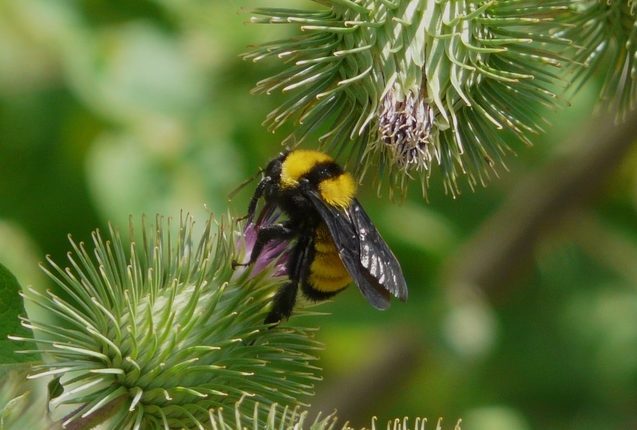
(252, 207)
(283, 303)
(285, 298)
(268, 233)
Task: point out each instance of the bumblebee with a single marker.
(335, 241)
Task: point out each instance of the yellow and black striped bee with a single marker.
(336, 241)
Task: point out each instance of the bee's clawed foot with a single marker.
(273, 319)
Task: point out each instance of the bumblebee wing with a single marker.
(373, 280)
(375, 255)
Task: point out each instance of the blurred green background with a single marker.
(111, 108)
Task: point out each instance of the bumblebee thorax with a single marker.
(298, 164)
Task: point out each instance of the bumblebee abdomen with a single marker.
(327, 272)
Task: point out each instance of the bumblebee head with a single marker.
(272, 175)
(274, 167)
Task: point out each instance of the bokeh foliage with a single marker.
(111, 108)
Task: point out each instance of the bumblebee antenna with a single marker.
(239, 187)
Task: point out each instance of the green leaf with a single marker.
(23, 402)
(10, 309)
(7, 369)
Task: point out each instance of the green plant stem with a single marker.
(504, 244)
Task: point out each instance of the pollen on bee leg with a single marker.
(405, 127)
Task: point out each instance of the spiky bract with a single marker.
(162, 330)
(606, 35)
(293, 419)
(410, 85)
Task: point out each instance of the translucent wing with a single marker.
(375, 255)
(364, 253)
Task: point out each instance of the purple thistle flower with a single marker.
(275, 253)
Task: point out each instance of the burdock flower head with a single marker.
(159, 331)
(414, 86)
(405, 128)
